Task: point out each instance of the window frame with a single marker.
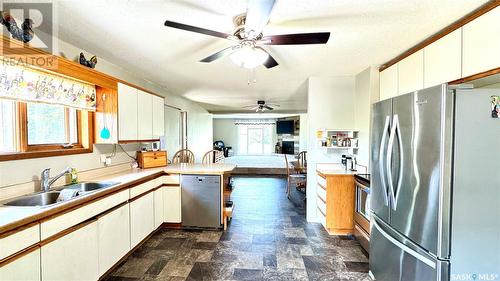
(26, 151)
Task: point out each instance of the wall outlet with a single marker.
(105, 159)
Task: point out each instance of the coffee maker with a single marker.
(349, 162)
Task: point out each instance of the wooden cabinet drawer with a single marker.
(321, 180)
(18, 241)
(321, 192)
(171, 179)
(321, 217)
(321, 205)
(142, 188)
(65, 221)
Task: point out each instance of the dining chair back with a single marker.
(183, 156)
(213, 156)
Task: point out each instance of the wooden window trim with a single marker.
(49, 150)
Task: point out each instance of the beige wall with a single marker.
(199, 131)
(330, 106)
(226, 131)
(366, 93)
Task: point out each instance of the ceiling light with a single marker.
(249, 57)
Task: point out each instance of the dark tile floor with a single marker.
(268, 239)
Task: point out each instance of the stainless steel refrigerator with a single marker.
(435, 202)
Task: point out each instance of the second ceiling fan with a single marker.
(248, 51)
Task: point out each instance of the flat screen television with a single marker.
(285, 127)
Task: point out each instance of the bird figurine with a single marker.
(24, 33)
(88, 63)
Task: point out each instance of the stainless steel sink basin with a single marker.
(89, 186)
(48, 198)
(39, 199)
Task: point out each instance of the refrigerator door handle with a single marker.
(401, 159)
(403, 247)
(381, 159)
(388, 161)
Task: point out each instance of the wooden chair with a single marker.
(293, 178)
(213, 156)
(183, 156)
(301, 167)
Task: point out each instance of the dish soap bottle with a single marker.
(72, 177)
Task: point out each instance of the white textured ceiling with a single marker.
(130, 33)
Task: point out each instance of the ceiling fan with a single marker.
(248, 51)
(261, 106)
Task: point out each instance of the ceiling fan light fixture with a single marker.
(249, 57)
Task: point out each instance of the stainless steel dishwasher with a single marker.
(201, 201)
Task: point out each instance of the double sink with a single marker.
(48, 198)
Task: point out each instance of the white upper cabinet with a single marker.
(140, 115)
(411, 73)
(127, 112)
(145, 116)
(389, 82)
(158, 117)
(481, 43)
(443, 60)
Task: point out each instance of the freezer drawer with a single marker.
(201, 201)
(390, 259)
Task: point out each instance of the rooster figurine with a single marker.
(24, 33)
(88, 63)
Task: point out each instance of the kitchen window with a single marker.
(30, 130)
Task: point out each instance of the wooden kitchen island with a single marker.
(335, 193)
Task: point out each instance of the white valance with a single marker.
(31, 85)
(255, 122)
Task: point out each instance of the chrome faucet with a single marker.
(46, 182)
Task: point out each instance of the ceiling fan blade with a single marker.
(270, 62)
(197, 29)
(220, 54)
(268, 107)
(296, 39)
(250, 107)
(258, 14)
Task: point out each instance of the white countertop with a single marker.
(12, 217)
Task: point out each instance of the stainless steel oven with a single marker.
(362, 210)
(363, 199)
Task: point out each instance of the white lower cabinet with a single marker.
(141, 218)
(114, 237)
(73, 256)
(26, 267)
(158, 194)
(172, 204)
